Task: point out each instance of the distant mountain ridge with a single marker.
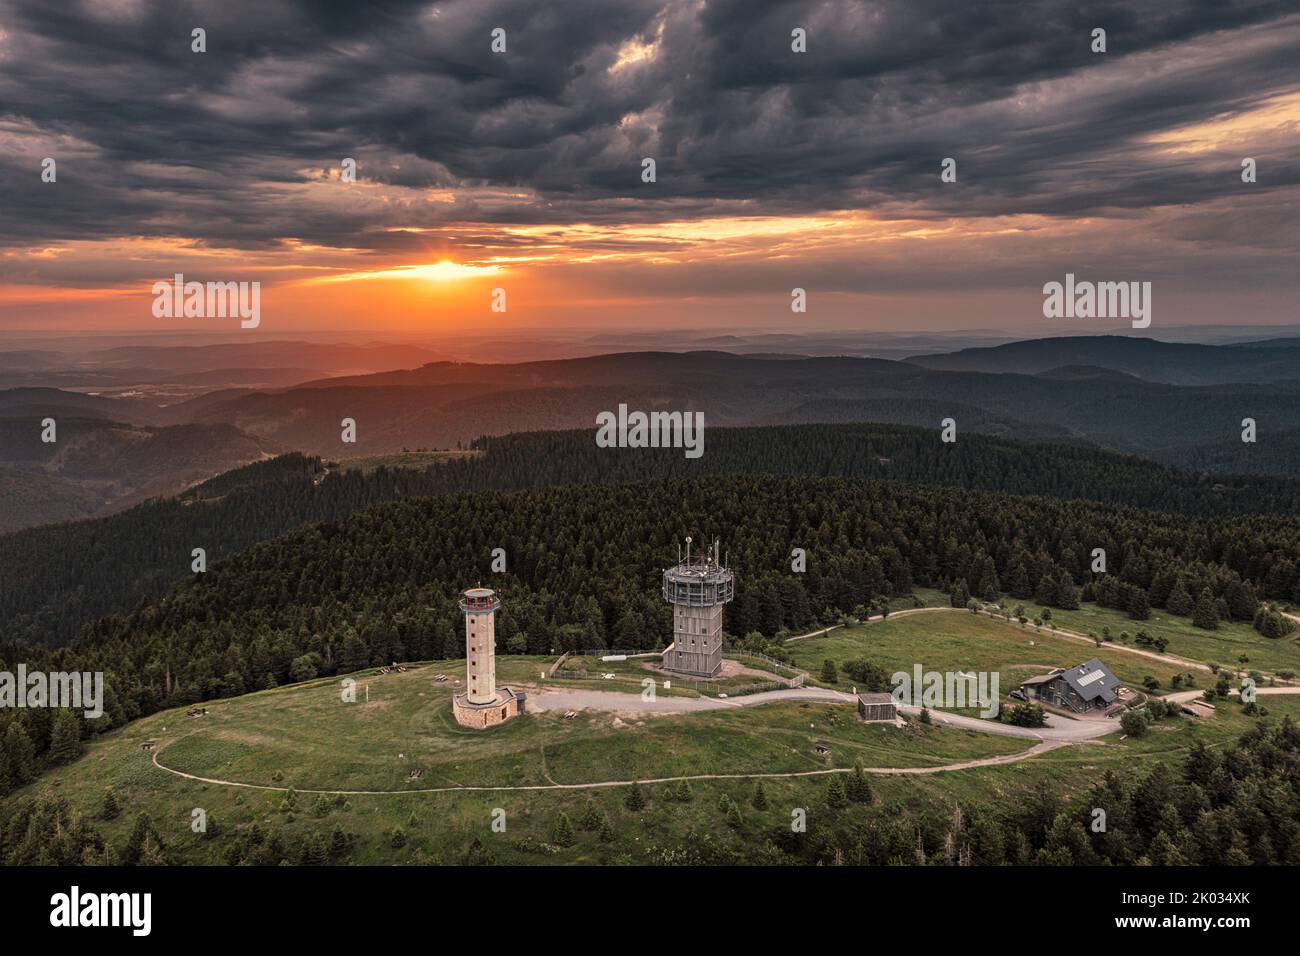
(439, 405)
(1077, 389)
(1173, 363)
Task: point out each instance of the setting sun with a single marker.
(442, 271)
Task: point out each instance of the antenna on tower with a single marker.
(688, 549)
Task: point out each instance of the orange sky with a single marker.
(879, 262)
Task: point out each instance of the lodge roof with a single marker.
(1091, 680)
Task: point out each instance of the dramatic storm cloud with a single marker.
(774, 168)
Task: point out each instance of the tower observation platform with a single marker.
(697, 589)
(483, 703)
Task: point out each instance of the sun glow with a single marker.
(442, 271)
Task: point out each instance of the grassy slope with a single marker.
(440, 826)
(312, 740)
(967, 642)
(1221, 646)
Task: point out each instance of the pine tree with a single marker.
(835, 792)
(606, 833)
(65, 737)
(562, 834)
(858, 789)
(1205, 614)
(960, 593)
(153, 852)
(1139, 607)
(685, 793)
(338, 843)
(759, 799)
(590, 817)
(1067, 595)
(142, 833)
(634, 799)
(731, 813)
(314, 852)
(109, 808)
(476, 854)
(1046, 592)
(1179, 601)
(22, 755)
(828, 671)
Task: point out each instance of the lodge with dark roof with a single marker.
(1084, 688)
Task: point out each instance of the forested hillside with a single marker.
(96, 467)
(63, 576)
(584, 572)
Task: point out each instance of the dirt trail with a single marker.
(1041, 747)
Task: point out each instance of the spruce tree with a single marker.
(1205, 614)
(731, 813)
(478, 855)
(338, 843)
(835, 792)
(142, 833)
(606, 832)
(759, 799)
(22, 755)
(314, 852)
(65, 737)
(109, 808)
(562, 834)
(153, 852)
(858, 788)
(634, 799)
(590, 817)
(1179, 601)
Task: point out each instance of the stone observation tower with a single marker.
(483, 703)
(697, 590)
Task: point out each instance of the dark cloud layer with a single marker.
(221, 148)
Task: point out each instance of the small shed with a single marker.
(877, 707)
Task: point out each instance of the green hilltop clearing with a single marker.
(961, 641)
(421, 767)
(304, 736)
